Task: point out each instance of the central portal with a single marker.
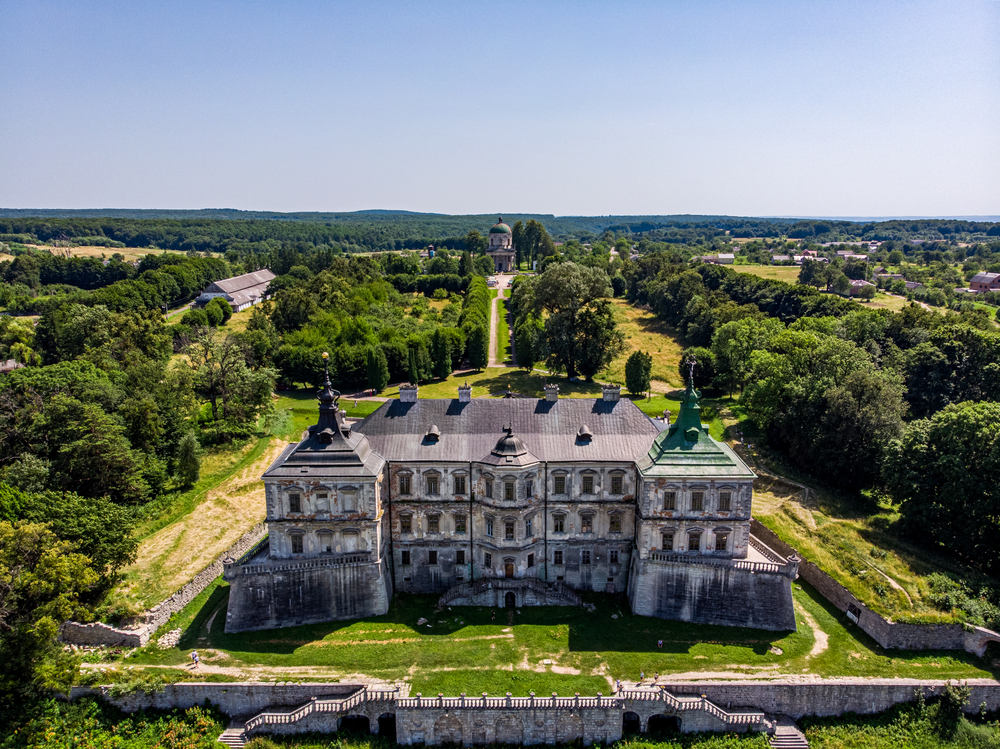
(510, 600)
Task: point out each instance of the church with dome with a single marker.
(501, 248)
(509, 502)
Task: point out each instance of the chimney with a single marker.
(464, 393)
(408, 393)
(551, 392)
(611, 392)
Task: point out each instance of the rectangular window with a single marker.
(489, 527)
(587, 524)
(721, 541)
(294, 503)
(529, 489)
(434, 524)
(404, 557)
(508, 491)
(527, 527)
(667, 541)
(725, 501)
(404, 484)
(588, 484)
(508, 530)
(557, 557)
(405, 524)
(460, 524)
(432, 484)
(488, 560)
(613, 556)
(432, 557)
(558, 522)
(669, 500)
(460, 556)
(488, 488)
(616, 524)
(531, 560)
(694, 542)
(585, 557)
(697, 500)
(460, 485)
(559, 484)
(296, 544)
(616, 484)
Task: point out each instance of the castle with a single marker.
(509, 502)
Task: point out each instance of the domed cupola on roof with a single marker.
(510, 450)
(500, 227)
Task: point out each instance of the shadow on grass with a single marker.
(587, 631)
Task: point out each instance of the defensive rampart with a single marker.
(138, 632)
(886, 633)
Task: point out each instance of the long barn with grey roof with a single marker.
(509, 502)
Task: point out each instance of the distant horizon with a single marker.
(97, 212)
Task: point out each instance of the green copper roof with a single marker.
(687, 450)
(500, 227)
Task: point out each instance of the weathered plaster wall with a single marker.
(711, 595)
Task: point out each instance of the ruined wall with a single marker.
(711, 595)
(307, 592)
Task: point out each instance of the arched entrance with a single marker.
(510, 600)
(355, 724)
(631, 725)
(662, 725)
(387, 726)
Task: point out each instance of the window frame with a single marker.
(509, 491)
(460, 556)
(615, 523)
(587, 522)
(694, 540)
(697, 500)
(559, 484)
(458, 484)
(587, 483)
(434, 523)
(404, 558)
(558, 522)
(405, 523)
(664, 535)
(669, 500)
(460, 523)
(613, 556)
(557, 557)
(617, 484)
(405, 483)
(725, 500)
(489, 526)
(432, 556)
(297, 541)
(433, 484)
(509, 530)
(585, 556)
(294, 503)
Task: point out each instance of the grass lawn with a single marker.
(129, 253)
(644, 331)
(786, 273)
(886, 301)
(503, 332)
(464, 650)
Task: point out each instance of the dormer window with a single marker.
(433, 434)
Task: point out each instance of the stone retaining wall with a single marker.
(137, 632)
(886, 633)
(236, 699)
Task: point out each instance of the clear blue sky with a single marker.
(749, 108)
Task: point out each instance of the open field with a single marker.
(644, 331)
(129, 253)
(541, 649)
(786, 273)
(886, 301)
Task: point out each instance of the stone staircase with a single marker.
(788, 736)
(234, 736)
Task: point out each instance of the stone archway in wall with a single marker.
(354, 724)
(662, 725)
(387, 726)
(448, 730)
(569, 728)
(509, 730)
(631, 724)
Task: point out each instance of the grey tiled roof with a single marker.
(470, 431)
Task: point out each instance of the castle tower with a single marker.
(501, 249)
(326, 555)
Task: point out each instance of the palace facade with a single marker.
(509, 501)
